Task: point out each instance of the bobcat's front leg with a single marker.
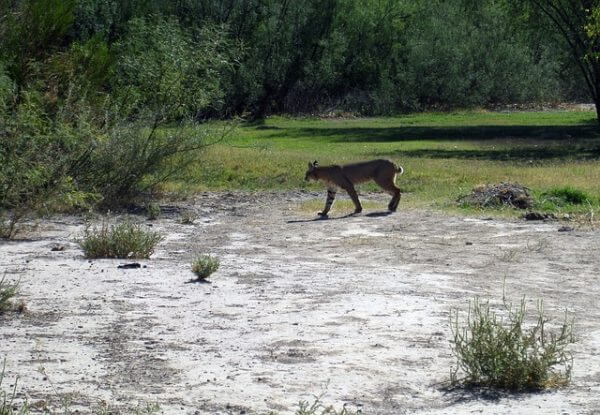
(328, 202)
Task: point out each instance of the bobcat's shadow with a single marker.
(378, 214)
(351, 215)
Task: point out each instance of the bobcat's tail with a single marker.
(399, 169)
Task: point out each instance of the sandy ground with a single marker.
(354, 308)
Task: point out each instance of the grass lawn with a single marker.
(444, 155)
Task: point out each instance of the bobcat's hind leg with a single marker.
(393, 205)
(354, 196)
(328, 202)
(389, 186)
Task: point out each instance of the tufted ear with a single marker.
(315, 163)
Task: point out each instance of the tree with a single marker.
(578, 23)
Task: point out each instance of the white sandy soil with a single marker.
(354, 308)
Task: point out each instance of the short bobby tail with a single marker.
(399, 169)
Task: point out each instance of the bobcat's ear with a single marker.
(315, 163)
(310, 165)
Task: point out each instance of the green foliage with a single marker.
(499, 352)
(164, 68)
(209, 58)
(30, 31)
(204, 265)
(577, 22)
(126, 240)
(7, 292)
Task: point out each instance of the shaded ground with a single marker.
(355, 307)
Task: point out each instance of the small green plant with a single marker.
(7, 292)
(126, 240)
(492, 351)
(153, 211)
(204, 265)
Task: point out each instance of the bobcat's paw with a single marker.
(322, 214)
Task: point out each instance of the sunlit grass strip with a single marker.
(438, 168)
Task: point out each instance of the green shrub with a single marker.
(126, 240)
(567, 195)
(7, 293)
(500, 352)
(204, 266)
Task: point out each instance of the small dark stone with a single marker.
(468, 243)
(58, 248)
(566, 229)
(130, 265)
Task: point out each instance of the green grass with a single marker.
(444, 155)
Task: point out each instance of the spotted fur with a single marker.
(383, 172)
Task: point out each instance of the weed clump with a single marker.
(497, 352)
(188, 218)
(204, 265)
(317, 408)
(126, 240)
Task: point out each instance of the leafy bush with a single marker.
(7, 292)
(127, 240)
(499, 353)
(204, 266)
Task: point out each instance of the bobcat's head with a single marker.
(310, 173)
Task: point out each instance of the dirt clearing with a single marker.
(356, 308)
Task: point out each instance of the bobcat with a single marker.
(383, 172)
